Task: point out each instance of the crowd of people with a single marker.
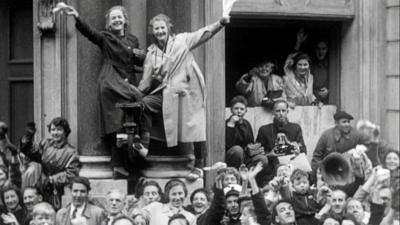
(353, 177)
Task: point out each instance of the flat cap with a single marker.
(342, 115)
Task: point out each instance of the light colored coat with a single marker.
(183, 85)
(93, 215)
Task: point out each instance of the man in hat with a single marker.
(340, 138)
(232, 205)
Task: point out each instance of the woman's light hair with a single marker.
(159, 17)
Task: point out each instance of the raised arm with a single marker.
(260, 208)
(199, 37)
(91, 34)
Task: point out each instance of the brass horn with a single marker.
(335, 169)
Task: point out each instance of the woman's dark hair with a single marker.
(387, 153)
(147, 183)
(173, 183)
(58, 121)
(117, 7)
(200, 190)
(14, 188)
(177, 216)
(159, 17)
(239, 98)
(299, 56)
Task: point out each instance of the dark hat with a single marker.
(232, 189)
(342, 115)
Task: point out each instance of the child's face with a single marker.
(229, 179)
(43, 219)
(284, 171)
(301, 185)
(238, 109)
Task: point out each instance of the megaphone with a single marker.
(335, 169)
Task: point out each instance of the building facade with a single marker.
(54, 73)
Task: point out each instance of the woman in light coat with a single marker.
(174, 85)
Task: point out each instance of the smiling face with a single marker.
(177, 196)
(265, 69)
(11, 199)
(31, 198)
(232, 204)
(117, 20)
(160, 31)
(344, 125)
(302, 67)
(57, 133)
(392, 161)
(200, 202)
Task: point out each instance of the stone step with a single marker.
(96, 167)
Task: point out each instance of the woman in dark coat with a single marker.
(120, 51)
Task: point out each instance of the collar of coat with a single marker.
(154, 49)
(86, 211)
(339, 134)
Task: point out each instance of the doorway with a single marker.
(16, 65)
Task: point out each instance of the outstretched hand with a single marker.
(254, 170)
(69, 10)
(301, 36)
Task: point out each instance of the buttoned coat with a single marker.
(182, 85)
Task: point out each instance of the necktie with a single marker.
(74, 213)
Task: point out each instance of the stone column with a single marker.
(55, 70)
(137, 19)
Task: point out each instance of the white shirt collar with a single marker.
(79, 209)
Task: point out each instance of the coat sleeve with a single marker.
(71, 170)
(319, 152)
(242, 86)
(90, 33)
(260, 208)
(15, 174)
(217, 208)
(32, 151)
(145, 83)
(300, 140)
(199, 37)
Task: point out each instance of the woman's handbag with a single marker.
(55, 200)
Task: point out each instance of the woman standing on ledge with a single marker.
(174, 86)
(120, 52)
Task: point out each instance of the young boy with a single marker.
(306, 202)
(239, 132)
